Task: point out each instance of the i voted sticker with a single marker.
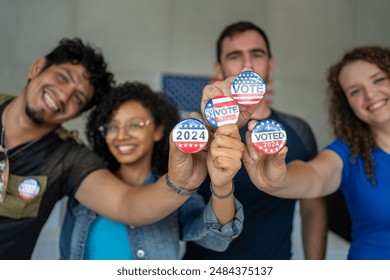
(190, 135)
(29, 188)
(221, 110)
(269, 136)
(248, 88)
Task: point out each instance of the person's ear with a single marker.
(158, 133)
(37, 67)
(218, 71)
(271, 64)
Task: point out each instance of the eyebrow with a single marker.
(70, 75)
(376, 74)
(370, 77)
(251, 51)
(259, 50)
(232, 53)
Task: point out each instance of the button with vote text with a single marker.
(221, 110)
(248, 88)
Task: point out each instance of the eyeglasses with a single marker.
(4, 172)
(132, 128)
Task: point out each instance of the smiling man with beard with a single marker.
(41, 166)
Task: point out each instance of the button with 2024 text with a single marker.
(190, 135)
(269, 136)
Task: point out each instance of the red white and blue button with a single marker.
(29, 188)
(221, 110)
(269, 136)
(190, 135)
(248, 88)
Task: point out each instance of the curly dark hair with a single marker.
(161, 107)
(346, 125)
(76, 52)
(238, 28)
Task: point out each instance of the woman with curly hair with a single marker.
(357, 162)
(130, 131)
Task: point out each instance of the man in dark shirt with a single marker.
(41, 165)
(268, 220)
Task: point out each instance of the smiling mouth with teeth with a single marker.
(50, 102)
(377, 105)
(126, 148)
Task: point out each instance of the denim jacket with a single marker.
(193, 221)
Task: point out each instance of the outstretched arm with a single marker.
(298, 179)
(223, 162)
(104, 193)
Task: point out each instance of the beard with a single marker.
(35, 116)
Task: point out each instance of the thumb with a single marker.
(280, 157)
(176, 156)
(253, 153)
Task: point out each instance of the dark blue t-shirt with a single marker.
(268, 219)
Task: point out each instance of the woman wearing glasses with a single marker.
(130, 130)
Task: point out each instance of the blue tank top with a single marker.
(108, 240)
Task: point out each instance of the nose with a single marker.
(248, 61)
(122, 134)
(369, 93)
(65, 94)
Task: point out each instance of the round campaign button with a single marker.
(190, 135)
(221, 110)
(269, 136)
(248, 88)
(29, 188)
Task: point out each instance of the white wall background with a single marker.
(143, 38)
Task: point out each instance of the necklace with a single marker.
(5, 111)
(2, 144)
(2, 137)
(4, 158)
(4, 164)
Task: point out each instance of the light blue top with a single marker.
(193, 221)
(368, 205)
(108, 240)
